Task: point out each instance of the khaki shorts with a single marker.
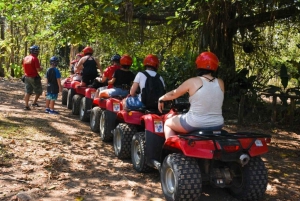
(33, 85)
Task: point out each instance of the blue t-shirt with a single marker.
(52, 75)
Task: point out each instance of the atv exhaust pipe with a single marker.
(244, 159)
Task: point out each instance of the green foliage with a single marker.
(18, 70)
(176, 70)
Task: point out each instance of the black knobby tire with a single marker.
(107, 124)
(249, 182)
(123, 134)
(83, 110)
(69, 99)
(95, 119)
(138, 155)
(64, 96)
(76, 104)
(180, 178)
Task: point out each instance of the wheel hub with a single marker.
(137, 152)
(118, 141)
(170, 180)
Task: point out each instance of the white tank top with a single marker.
(206, 105)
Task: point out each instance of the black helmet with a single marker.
(34, 49)
(116, 58)
(54, 60)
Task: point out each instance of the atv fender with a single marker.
(130, 117)
(198, 149)
(154, 124)
(114, 105)
(90, 93)
(80, 90)
(255, 146)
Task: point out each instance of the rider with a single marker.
(206, 95)
(121, 80)
(76, 76)
(110, 70)
(31, 66)
(151, 64)
(88, 65)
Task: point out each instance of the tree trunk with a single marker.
(217, 37)
(2, 23)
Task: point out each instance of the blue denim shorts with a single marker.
(188, 128)
(117, 92)
(50, 96)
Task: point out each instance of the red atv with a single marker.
(188, 161)
(103, 116)
(66, 86)
(129, 123)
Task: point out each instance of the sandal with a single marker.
(35, 105)
(27, 108)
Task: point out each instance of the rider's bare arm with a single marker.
(181, 90)
(112, 81)
(134, 88)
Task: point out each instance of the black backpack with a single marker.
(153, 90)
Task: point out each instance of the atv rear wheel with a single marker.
(107, 124)
(123, 134)
(180, 178)
(83, 110)
(249, 182)
(138, 155)
(76, 104)
(64, 96)
(69, 99)
(95, 119)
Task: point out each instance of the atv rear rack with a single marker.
(218, 135)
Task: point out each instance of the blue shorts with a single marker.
(188, 128)
(50, 96)
(133, 103)
(117, 92)
(33, 85)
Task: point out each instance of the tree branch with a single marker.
(264, 17)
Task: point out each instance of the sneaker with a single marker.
(53, 112)
(35, 105)
(27, 108)
(47, 110)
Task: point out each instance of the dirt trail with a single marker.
(59, 158)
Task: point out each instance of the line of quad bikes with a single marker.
(185, 162)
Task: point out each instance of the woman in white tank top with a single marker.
(206, 95)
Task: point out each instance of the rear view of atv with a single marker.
(103, 116)
(188, 161)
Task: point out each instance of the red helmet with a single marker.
(151, 60)
(87, 50)
(207, 60)
(126, 60)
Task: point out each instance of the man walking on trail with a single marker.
(31, 66)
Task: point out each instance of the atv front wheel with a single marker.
(138, 155)
(95, 119)
(83, 110)
(123, 134)
(64, 96)
(107, 124)
(76, 104)
(180, 178)
(249, 182)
